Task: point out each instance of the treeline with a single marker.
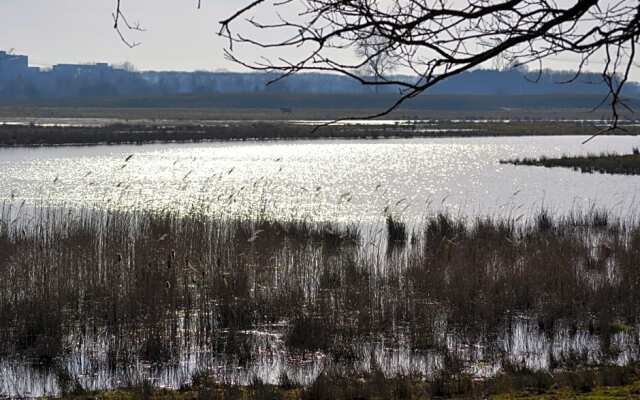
(102, 81)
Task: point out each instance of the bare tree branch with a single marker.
(118, 16)
(436, 39)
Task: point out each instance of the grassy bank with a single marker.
(602, 383)
(611, 163)
(300, 103)
(122, 290)
(176, 131)
(273, 113)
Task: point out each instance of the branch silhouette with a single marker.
(431, 39)
(435, 40)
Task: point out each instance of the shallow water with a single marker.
(520, 344)
(347, 180)
(324, 180)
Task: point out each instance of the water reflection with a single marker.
(521, 344)
(225, 297)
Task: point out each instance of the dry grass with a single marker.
(154, 284)
(605, 163)
(598, 383)
(141, 132)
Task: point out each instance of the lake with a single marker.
(321, 180)
(341, 180)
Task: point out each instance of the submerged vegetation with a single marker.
(101, 299)
(606, 163)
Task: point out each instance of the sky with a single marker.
(178, 35)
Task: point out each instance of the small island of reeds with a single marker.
(604, 163)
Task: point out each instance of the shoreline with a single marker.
(29, 135)
(601, 383)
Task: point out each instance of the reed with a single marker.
(605, 163)
(152, 286)
(610, 382)
(178, 131)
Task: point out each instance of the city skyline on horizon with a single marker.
(19, 80)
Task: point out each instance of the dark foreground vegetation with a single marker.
(597, 383)
(610, 163)
(101, 299)
(148, 132)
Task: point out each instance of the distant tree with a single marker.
(126, 66)
(378, 63)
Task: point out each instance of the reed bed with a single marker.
(179, 131)
(152, 286)
(604, 163)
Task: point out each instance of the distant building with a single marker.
(13, 66)
(81, 70)
(20, 81)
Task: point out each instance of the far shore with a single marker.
(57, 132)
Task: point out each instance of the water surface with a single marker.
(347, 180)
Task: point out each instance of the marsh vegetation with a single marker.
(140, 132)
(604, 383)
(97, 299)
(604, 163)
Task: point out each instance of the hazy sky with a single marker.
(178, 36)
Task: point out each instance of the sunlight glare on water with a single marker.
(320, 179)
